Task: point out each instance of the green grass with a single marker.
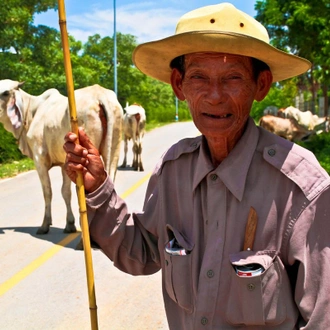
(152, 125)
(11, 169)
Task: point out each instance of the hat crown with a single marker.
(223, 18)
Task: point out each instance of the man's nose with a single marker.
(217, 93)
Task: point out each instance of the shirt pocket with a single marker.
(178, 272)
(263, 299)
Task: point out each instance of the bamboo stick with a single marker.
(80, 182)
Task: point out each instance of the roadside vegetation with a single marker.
(320, 146)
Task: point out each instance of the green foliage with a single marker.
(302, 28)
(159, 101)
(281, 95)
(320, 146)
(8, 147)
(13, 168)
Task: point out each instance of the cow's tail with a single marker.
(112, 135)
(105, 146)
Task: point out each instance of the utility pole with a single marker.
(115, 47)
(176, 109)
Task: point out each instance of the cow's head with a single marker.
(11, 103)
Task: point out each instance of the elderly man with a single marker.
(237, 219)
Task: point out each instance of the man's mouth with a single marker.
(217, 116)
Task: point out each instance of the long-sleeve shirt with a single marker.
(204, 210)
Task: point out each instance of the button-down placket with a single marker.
(214, 229)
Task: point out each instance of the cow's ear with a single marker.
(15, 110)
(264, 83)
(176, 82)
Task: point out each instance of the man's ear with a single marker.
(176, 82)
(265, 81)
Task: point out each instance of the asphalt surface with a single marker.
(43, 282)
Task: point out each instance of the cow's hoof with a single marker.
(42, 231)
(70, 229)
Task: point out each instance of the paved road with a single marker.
(42, 278)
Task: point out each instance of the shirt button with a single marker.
(204, 320)
(251, 286)
(210, 273)
(271, 152)
(214, 177)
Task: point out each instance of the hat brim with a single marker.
(154, 58)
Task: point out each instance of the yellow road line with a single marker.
(26, 271)
(36, 263)
(135, 186)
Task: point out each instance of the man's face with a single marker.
(219, 89)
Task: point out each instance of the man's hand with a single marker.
(84, 158)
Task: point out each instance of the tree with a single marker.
(281, 95)
(302, 28)
(16, 21)
(34, 54)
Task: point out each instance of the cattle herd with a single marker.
(293, 124)
(39, 124)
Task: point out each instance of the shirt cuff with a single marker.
(96, 198)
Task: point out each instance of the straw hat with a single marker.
(216, 28)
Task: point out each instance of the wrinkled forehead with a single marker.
(201, 57)
(220, 56)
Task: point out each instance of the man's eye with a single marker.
(234, 77)
(196, 76)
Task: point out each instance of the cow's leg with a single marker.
(140, 165)
(125, 153)
(135, 156)
(66, 194)
(47, 192)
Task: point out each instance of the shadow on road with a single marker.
(127, 168)
(55, 235)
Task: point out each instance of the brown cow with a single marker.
(288, 128)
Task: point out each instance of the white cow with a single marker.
(39, 123)
(134, 121)
(305, 118)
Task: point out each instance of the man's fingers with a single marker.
(86, 142)
(70, 137)
(78, 158)
(72, 148)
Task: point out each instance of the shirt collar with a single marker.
(233, 170)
